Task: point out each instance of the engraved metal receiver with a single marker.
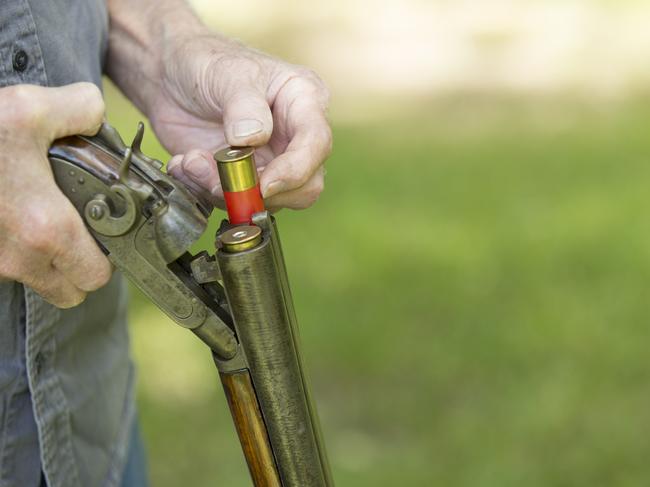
(236, 301)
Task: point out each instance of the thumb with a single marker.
(247, 117)
(72, 109)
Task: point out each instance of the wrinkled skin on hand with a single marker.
(217, 92)
(43, 241)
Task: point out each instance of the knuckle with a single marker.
(99, 277)
(312, 194)
(39, 242)
(20, 94)
(71, 299)
(315, 188)
(308, 74)
(53, 288)
(69, 222)
(326, 94)
(43, 230)
(294, 178)
(308, 86)
(319, 186)
(304, 202)
(308, 195)
(324, 134)
(316, 83)
(22, 105)
(93, 100)
(227, 61)
(38, 231)
(104, 276)
(244, 71)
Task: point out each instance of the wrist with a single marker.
(142, 36)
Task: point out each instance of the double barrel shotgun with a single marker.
(236, 300)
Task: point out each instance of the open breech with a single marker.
(236, 300)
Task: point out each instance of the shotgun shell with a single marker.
(240, 238)
(241, 187)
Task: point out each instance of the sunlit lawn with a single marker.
(473, 292)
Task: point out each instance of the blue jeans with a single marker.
(135, 470)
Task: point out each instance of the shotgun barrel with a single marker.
(262, 310)
(257, 288)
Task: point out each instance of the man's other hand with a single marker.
(43, 241)
(216, 92)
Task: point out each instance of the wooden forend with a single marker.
(250, 428)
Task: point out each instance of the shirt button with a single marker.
(20, 61)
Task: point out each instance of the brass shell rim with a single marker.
(233, 154)
(240, 238)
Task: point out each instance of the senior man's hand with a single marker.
(202, 91)
(217, 93)
(43, 242)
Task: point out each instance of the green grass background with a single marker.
(473, 294)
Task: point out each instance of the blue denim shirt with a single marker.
(66, 380)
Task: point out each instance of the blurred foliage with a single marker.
(473, 295)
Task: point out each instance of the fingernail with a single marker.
(244, 128)
(198, 167)
(273, 188)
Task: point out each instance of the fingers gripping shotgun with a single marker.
(237, 301)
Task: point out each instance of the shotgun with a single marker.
(236, 299)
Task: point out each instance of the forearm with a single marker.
(141, 34)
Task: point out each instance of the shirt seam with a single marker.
(45, 430)
(28, 9)
(118, 463)
(7, 447)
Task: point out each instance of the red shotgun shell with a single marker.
(241, 187)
